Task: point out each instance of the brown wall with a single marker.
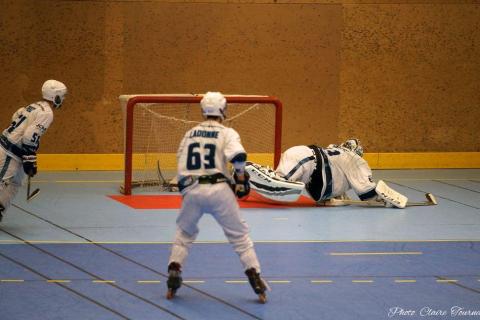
(410, 76)
(401, 77)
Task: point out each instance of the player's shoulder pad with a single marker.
(40, 108)
(231, 131)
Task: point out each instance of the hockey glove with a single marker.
(241, 187)
(30, 164)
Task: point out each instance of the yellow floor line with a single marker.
(148, 281)
(193, 281)
(103, 281)
(374, 253)
(405, 281)
(321, 281)
(236, 281)
(314, 281)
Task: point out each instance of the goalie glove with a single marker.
(241, 188)
(30, 164)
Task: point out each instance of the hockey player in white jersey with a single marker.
(20, 141)
(203, 180)
(328, 173)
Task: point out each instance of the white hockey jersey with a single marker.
(28, 125)
(206, 149)
(340, 171)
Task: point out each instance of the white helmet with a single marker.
(55, 91)
(214, 104)
(353, 145)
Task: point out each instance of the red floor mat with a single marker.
(174, 201)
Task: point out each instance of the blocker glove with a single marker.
(30, 164)
(241, 187)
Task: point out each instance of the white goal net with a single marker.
(155, 125)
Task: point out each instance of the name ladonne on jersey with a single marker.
(207, 148)
(28, 125)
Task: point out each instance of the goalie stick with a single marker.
(431, 201)
(34, 193)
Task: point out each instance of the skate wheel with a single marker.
(262, 298)
(170, 294)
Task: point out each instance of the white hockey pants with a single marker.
(11, 176)
(218, 200)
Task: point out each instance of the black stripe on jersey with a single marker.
(316, 184)
(10, 147)
(299, 164)
(328, 176)
(367, 195)
(5, 167)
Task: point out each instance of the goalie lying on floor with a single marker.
(325, 174)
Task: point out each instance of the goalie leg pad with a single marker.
(268, 184)
(390, 196)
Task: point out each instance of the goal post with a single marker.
(155, 124)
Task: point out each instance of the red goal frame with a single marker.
(136, 99)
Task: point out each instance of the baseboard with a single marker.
(424, 160)
(412, 160)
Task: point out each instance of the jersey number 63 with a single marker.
(195, 153)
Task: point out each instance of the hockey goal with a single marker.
(156, 123)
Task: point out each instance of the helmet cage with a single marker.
(354, 146)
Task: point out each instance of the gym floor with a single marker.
(74, 252)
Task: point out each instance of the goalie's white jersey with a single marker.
(340, 170)
(206, 149)
(28, 125)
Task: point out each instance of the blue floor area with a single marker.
(341, 280)
(73, 253)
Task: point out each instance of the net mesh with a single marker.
(159, 127)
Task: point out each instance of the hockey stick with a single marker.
(170, 186)
(431, 201)
(162, 180)
(34, 193)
